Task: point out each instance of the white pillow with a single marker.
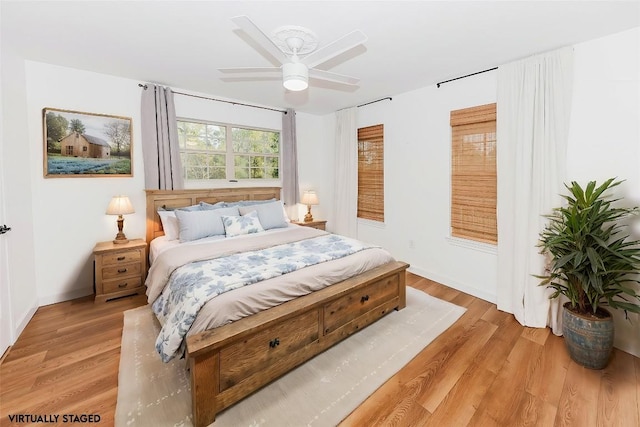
(245, 224)
(218, 205)
(194, 225)
(169, 224)
(271, 214)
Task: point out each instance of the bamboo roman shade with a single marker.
(473, 174)
(371, 173)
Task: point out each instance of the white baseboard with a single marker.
(453, 284)
(65, 296)
(26, 318)
(51, 299)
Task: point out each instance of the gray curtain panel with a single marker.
(162, 170)
(289, 168)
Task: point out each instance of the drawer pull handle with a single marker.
(122, 258)
(364, 299)
(274, 343)
(122, 270)
(123, 285)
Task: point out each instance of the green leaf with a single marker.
(593, 259)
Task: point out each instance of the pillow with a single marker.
(249, 202)
(238, 225)
(169, 224)
(183, 208)
(271, 214)
(209, 206)
(193, 225)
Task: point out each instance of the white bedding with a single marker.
(248, 300)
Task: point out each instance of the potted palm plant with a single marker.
(594, 263)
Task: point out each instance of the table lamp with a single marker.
(309, 198)
(120, 205)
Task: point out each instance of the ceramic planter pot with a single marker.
(588, 339)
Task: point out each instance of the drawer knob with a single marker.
(274, 343)
(122, 258)
(123, 285)
(122, 270)
(364, 299)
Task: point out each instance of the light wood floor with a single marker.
(486, 370)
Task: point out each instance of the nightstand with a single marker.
(320, 225)
(120, 269)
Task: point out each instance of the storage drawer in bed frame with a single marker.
(231, 362)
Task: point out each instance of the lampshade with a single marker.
(120, 205)
(295, 76)
(309, 198)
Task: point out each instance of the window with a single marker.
(222, 151)
(473, 174)
(69, 150)
(371, 173)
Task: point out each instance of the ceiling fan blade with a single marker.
(251, 70)
(332, 77)
(261, 38)
(331, 50)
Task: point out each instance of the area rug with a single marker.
(320, 392)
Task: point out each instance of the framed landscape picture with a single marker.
(78, 144)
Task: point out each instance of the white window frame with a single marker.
(229, 160)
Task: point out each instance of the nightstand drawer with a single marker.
(121, 257)
(121, 271)
(109, 286)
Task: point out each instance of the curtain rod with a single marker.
(367, 103)
(144, 86)
(372, 102)
(468, 75)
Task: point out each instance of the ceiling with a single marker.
(411, 44)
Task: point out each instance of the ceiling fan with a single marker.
(294, 48)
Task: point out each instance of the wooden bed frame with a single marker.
(231, 362)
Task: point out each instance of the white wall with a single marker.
(315, 164)
(69, 213)
(604, 138)
(417, 185)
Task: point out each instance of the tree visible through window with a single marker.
(473, 174)
(371, 173)
(221, 151)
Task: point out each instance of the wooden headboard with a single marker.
(157, 199)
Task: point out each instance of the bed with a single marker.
(231, 361)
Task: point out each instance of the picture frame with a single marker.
(81, 145)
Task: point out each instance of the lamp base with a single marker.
(120, 238)
(308, 217)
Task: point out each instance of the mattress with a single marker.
(251, 299)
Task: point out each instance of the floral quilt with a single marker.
(192, 285)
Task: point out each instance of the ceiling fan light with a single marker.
(295, 76)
